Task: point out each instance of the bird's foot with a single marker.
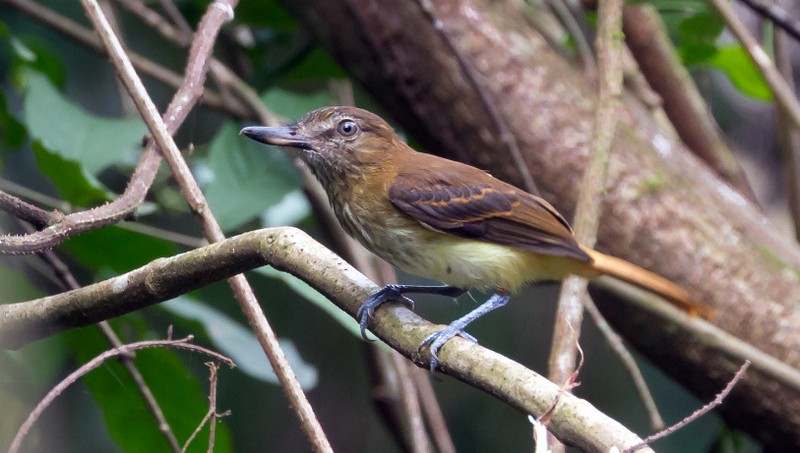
(436, 340)
(380, 297)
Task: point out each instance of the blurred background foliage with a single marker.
(69, 140)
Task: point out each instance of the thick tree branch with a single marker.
(574, 421)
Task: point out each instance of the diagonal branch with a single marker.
(587, 217)
(85, 36)
(179, 108)
(96, 362)
(218, 12)
(291, 250)
(69, 281)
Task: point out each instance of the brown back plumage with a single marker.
(467, 202)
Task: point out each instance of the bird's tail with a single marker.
(635, 275)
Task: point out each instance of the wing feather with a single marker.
(476, 205)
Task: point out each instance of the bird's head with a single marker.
(335, 141)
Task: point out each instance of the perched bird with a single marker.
(442, 219)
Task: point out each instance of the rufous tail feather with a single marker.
(635, 275)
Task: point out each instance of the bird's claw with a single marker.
(380, 297)
(437, 339)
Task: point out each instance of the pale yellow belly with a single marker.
(467, 263)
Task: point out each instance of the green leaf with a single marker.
(265, 13)
(698, 36)
(35, 58)
(16, 288)
(247, 177)
(12, 132)
(734, 62)
(239, 343)
(66, 129)
(318, 64)
(181, 395)
(73, 183)
(117, 249)
(294, 104)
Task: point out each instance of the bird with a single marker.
(443, 219)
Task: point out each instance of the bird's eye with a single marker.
(347, 128)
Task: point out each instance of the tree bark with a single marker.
(457, 73)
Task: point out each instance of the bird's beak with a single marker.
(278, 136)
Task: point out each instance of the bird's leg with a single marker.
(397, 292)
(436, 340)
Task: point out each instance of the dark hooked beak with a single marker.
(278, 136)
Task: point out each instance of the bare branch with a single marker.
(211, 415)
(696, 414)
(789, 136)
(777, 15)
(28, 212)
(83, 35)
(217, 13)
(293, 251)
(179, 108)
(618, 346)
(587, 217)
(65, 276)
(96, 362)
(490, 104)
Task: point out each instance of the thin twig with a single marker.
(84, 36)
(96, 362)
(211, 415)
(570, 309)
(789, 142)
(65, 276)
(212, 403)
(469, 72)
(578, 34)
(181, 105)
(570, 383)
(63, 208)
(625, 356)
(182, 38)
(222, 73)
(19, 190)
(780, 89)
(696, 414)
(432, 411)
(218, 12)
(569, 314)
(175, 14)
(25, 211)
(567, 385)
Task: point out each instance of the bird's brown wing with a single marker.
(469, 203)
